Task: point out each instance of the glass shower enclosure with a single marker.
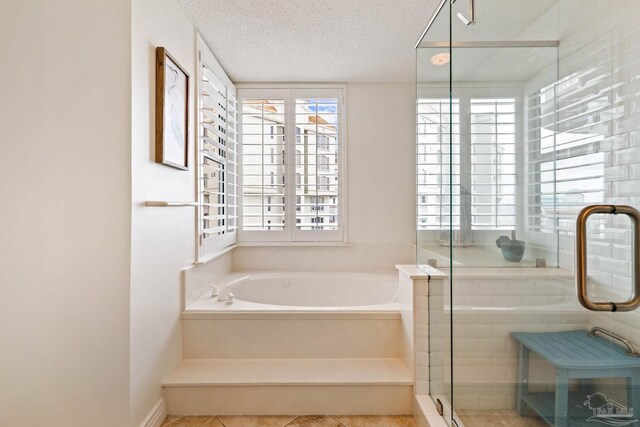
(528, 180)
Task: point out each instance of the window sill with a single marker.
(293, 244)
(211, 257)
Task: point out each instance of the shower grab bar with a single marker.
(581, 258)
(630, 350)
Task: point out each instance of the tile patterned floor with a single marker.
(472, 418)
(289, 421)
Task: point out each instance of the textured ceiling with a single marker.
(313, 40)
(363, 40)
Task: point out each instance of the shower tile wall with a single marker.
(600, 46)
(600, 43)
(421, 325)
(486, 312)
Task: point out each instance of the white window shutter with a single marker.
(217, 154)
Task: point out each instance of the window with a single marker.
(478, 155)
(217, 160)
(323, 142)
(318, 204)
(323, 163)
(323, 183)
(308, 134)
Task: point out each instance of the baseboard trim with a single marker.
(157, 414)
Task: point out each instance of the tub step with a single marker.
(290, 387)
(198, 372)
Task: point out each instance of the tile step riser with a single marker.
(290, 400)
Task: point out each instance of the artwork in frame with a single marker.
(172, 111)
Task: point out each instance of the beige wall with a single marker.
(381, 189)
(163, 240)
(381, 143)
(65, 131)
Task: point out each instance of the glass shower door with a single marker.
(437, 127)
(514, 144)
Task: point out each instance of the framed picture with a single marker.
(172, 111)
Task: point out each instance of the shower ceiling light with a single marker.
(441, 58)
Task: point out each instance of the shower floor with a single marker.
(490, 418)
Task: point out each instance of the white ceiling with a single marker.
(356, 40)
(313, 40)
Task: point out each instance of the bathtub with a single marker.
(303, 292)
(297, 315)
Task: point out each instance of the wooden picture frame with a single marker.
(172, 111)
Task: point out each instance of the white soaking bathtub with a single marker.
(303, 291)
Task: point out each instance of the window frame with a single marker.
(290, 235)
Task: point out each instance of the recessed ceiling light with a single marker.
(441, 58)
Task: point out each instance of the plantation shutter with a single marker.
(438, 156)
(218, 156)
(493, 163)
(317, 164)
(292, 165)
(263, 164)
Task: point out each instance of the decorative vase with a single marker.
(512, 250)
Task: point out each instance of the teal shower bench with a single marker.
(577, 355)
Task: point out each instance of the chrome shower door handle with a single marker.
(581, 258)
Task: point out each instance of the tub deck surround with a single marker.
(291, 337)
(421, 272)
(415, 282)
(425, 272)
(478, 255)
(509, 273)
(294, 343)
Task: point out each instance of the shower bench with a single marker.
(576, 355)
